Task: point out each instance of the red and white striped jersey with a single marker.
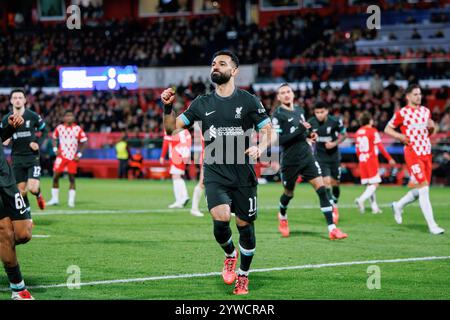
(69, 137)
(413, 123)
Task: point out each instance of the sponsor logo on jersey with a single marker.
(324, 139)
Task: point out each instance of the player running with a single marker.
(416, 125)
(331, 132)
(297, 159)
(69, 141)
(15, 216)
(230, 181)
(179, 147)
(368, 144)
(25, 148)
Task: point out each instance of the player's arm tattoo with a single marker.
(268, 137)
(172, 124)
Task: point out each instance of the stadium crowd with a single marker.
(140, 111)
(292, 38)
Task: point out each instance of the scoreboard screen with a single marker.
(98, 78)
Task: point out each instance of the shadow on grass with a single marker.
(302, 233)
(417, 227)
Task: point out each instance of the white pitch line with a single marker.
(41, 236)
(210, 274)
(141, 211)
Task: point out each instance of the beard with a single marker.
(220, 78)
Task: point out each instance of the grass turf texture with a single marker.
(155, 241)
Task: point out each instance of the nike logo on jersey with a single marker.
(290, 119)
(23, 211)
(208, 113)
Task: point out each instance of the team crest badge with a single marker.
(238, 113)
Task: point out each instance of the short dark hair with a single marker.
(68, 111)
(229, 53)
(16, 90)
(320, 105)
(284, 84)
(364, 118)
(411, 87)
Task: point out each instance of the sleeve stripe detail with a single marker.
(42, 126)
(185, 119)
(263, 123)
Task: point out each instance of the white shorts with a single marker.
(373, 180)
(175, 170)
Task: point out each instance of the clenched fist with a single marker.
(34, 146)
(15, 120)
(168, 96)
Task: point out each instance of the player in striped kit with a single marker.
(416, 125)
(368, 144)
(179, 147)
(69, 140)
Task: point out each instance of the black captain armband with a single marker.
(168, 108)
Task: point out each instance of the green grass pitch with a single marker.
(122, 230)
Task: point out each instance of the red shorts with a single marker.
(368, 171)
(419, 167)
(61, 164)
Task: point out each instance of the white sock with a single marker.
(55, 194)
(72, 196)
(425, 205)
(183, 190)
(331, 227)
(373, 202)
(242, 273)
(17, 286)
(411, 196)
(176, 190)
(196, 197)
(285, 217)
(231, 255)
(370, 190)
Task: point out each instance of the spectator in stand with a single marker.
(444, 124)
(392, 87)
(376, 84)
(442, 93)
(416, 34)
(345, 89)
(392, 36)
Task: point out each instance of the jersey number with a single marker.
(36, 171)
(362, 144)
(318, 167)
(20, 203)
(415, 168)
(252, 204)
